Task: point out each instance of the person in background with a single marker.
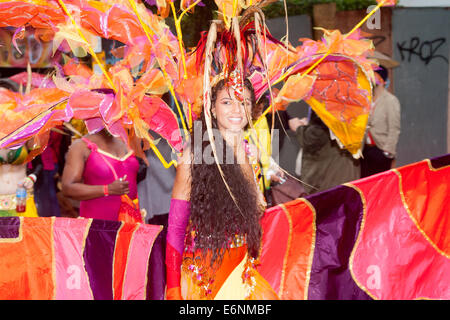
(45, 187)
(324, 163)
(16, 173)
(75, 129)
(280, 120)
(383, 129)
(13, 175)
(99, 169)
(154, 197)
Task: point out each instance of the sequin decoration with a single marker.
(248, 276)
(235, 82)
(199, 275)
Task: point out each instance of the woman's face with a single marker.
(230, 111)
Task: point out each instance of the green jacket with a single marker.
(324, 163)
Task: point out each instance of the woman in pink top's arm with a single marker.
(99, 169)
(72, 179)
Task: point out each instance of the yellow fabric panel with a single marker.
(350, 134)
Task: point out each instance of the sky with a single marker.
(424, 3)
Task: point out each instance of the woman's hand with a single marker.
(28, 182)
(119, 187)
(275, 173)
(278, 177)
(294, 123)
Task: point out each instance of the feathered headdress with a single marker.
(333, 75)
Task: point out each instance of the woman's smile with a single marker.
(230, 111)
(235, 119)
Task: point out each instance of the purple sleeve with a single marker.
(178, 220)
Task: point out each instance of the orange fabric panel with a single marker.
(231, 259)
(26, 266)
(123, 241)
(262, 290)
(426, 192)
(298, 261)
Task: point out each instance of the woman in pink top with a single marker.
(89, 178)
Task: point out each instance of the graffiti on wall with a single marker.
(426, 51)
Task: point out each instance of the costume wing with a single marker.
(382, 237)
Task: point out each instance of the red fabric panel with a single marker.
(288, 239)
(392, 258)
(427, 195)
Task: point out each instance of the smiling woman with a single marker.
(230, 108)
(214, 233)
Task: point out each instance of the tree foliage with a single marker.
(297, 7)
(199, 20)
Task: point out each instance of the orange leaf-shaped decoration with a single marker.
(295, 88)
(161, 119)
(73, 68)
(151, 82)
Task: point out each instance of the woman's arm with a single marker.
(182, 187)
(178, 220)
(72, 178)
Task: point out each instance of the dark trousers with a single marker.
(374, 161)
(156, 283)
(45, 194)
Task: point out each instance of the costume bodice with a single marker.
(97, 172)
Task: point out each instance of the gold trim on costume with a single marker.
(83, 247)
(430, 166)
(52, 243)
(8, 202)
(125, 157)
(114, 259)
(136, 228)
(405, 205)
(358, 239)
(288, 247)
(233, 287)
(312, 249)
(148, 260)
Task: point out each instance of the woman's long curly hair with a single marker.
(215, 219)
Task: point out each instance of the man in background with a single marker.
(383, 129)
(154, 193)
